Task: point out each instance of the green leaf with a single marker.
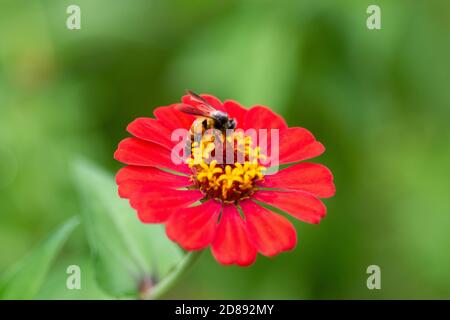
(24, 279)
(125, 251)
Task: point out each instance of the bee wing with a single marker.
(199, 110)
(203, 108)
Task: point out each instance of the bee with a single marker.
(209, 118)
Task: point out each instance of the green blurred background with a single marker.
(378, 100)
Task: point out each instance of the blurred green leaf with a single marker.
(24, 280)
(125, 251)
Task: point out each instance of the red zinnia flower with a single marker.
(229, 216)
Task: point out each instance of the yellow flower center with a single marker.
(217, 179)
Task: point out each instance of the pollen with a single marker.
(226, 181)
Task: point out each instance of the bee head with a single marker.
(222, 120)
(231, 124)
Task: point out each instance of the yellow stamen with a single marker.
(226, 182)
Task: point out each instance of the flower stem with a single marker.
(180, 270)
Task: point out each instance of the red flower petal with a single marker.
(173, 118)
(260, 117)
(155, 205)
(134, 151)
(297, 144)
(151, 130)
(132, 178)
(213, 101)
(310, 177)
(299, 204)
(235, 110)
(271, 233)
(231, 243)
(194, 228)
